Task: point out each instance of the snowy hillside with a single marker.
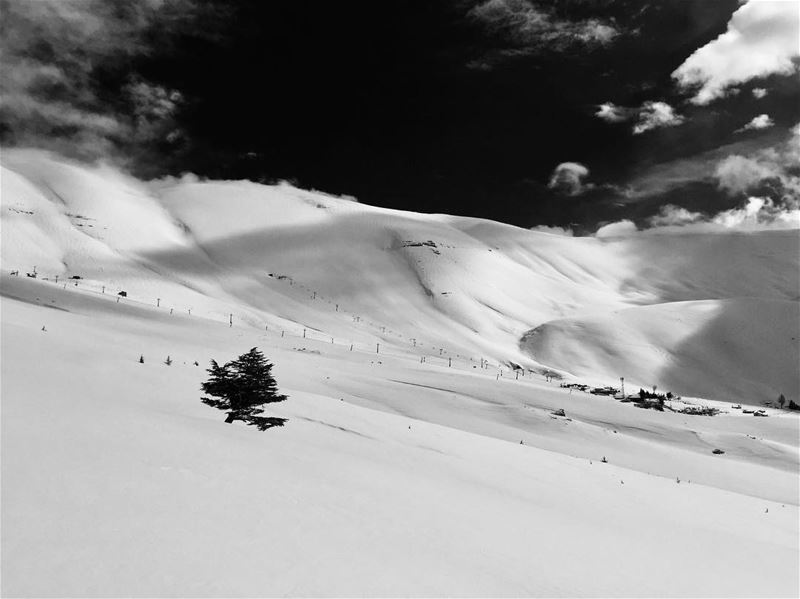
(363, 274)
(415, 460)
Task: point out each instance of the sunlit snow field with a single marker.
(416, 459)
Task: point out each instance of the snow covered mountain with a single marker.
(712, 315)
(415, 461)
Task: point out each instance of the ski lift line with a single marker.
(225, 318)
(86, 288)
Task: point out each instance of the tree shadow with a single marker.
(263, 423)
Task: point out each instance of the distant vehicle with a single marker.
(32, 275)
(76, 277)
(123, 294)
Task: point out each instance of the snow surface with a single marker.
(393, 476)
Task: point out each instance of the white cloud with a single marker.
(759, 92)
(776, 166)
(759, 213)
(49, 97)
(650, 115)
(622, 228)
(653, 115)
(612, 113)
(761, 40)
(773, 169)
(527, 29)
(736, 174)
(568, 178)
(762, 121)
(671, 215)
(755, 214)
(561, 231)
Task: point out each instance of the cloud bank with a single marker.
(756, 214)
(761, 40)
(776, 167)
(67, 82)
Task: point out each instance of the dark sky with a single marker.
(459, 107)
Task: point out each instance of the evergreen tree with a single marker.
(241, 387)
(781, 400)
(219, 384)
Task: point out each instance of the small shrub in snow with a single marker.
(141, 359)
(241, 387)
(168, 361)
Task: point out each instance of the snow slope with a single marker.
(466, 286)
(117, 480)
(407, 466)
(688, 347)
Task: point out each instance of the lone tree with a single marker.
(241, 387)
(781, 400)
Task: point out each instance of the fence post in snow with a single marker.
(351, 347)
(158, 302)
(449, 362)
(337, 307)
(56, 279)
(230, 320)
(283, 333)
(170, 310)
(304, 333)
(104, 289)
(377, 348)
